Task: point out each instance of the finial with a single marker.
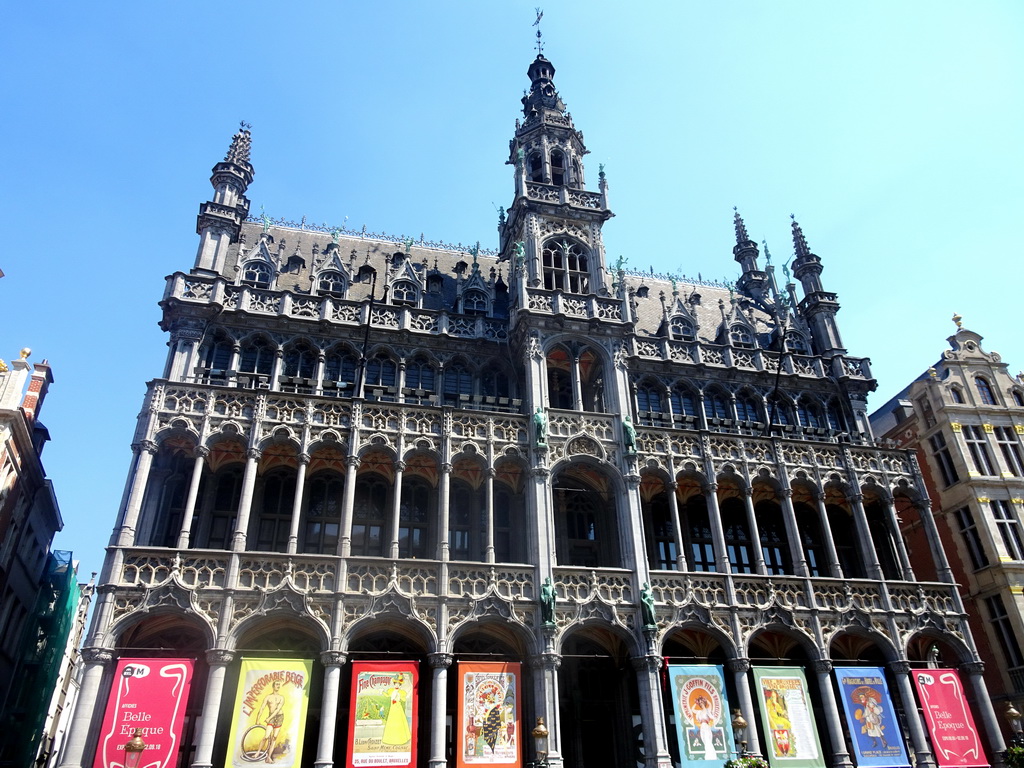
(25, 352)
(600, 170)
(241, 144)
(741, 228)
(540, 43)
(3, 366)
(956, 319)
(799, 241)
(933, 373)
(767, 253)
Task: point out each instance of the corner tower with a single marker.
(220, 220)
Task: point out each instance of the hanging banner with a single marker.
(269, 720)
(703, 723)
(488, 714)
(954, 737)
(148, 694)
(787, 717)
(871, 718)
(383, 714)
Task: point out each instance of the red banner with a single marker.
(148, 694)
(954, 736)
(489, 728)
(383, 714)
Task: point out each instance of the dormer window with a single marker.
(796, 343)
(331, 283)
(404, 293)
(682, 329)
(557, 168)
(566, 267)
(741, 337)
(474, 303)
(258, 274)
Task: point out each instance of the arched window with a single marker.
(332, 283)
(369, 515)
(681, 329)
(404, 293)
(216, 360)
(834, 415)
(257, 356)
(684, 402)
(648, 399)
(780, 408)
(323, 513)
(699, 538)
(414, 516)
(956, 394)
(1018, 398)
(276, 511)
(419, 374)
(985, 390)
(559, 369)
(586, 525)
(214, 531)
(747, 407)
(300, 360)
(458, 381)
(566, 267)
(381, 371)
(844, 534)
(340, 368)
(495, 381)
(535, 167)
(557, 168)
(740, 337)
(591, 377)
(464, 530)
(509, 530)
(258, 274)
(774, 543)
(474, 303)
(795, 342)
(716, 404)
(737, 536)
(882, 537)
(811, 540)
(809, 413)
(662, 553)
(175, 468)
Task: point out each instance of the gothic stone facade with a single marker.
(361, 446)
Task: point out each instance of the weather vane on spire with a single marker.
(540, 43)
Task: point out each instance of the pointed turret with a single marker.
(220, 220)
(819, 306)
(752, 282)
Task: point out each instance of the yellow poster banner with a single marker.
(269, 717)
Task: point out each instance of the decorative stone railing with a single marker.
(562, 195)
(589, 307)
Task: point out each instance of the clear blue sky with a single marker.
(891, 129)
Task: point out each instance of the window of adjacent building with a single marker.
(977, 446)
(957, 395)
(1006, 439)
(741, 337)
(985, 390)
(566, 267)
(681, 329)
(1003, 627)
(332, 283)
(972, 539)
(258, 274)
(1009, 528)
(940, 451)
(404, 293)
(1018, 398)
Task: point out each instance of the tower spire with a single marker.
(220, 220)
(752, 282)
(819, 306)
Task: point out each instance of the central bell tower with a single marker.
(552, 233)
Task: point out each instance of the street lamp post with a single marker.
(133, 750)
(540, 740)
(1014, 718)
(739, 731)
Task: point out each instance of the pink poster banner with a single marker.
(955, 738)
(149, 695)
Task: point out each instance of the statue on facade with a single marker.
(540, 428)
(629, 435)
(547, 602)
(647, 606)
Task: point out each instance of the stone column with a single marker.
(673, 508)
(300, 484)
(577, 385)
(901, 546)
(345, 539)
(439, 663)
(796, 548)
(545, 694)
(739, 668)
(755, 531)
(333, 661)
(193, 495)
(444, 484)
(996, 746)
(651, 711)
(217, 660)
(145, 450)
(245, 502)
(96, 662)
(924, 511)
(835, 569)
(830, 708)
(867, 544)
(396, 509)
(922, 752)
(491, 473)
(717, 532)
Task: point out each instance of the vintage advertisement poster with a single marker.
(703, 722)
(870, 717)
(955, 739)
(488, 714)
(383, 713)
(269, 720)
(790, 731)
(148, 694)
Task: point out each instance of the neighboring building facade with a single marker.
(30, 575)
(363, 448)
(965, 417)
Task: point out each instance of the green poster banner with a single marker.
(269, 718)
(791, 736)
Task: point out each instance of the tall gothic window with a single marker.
(458, 381)
(566, 267)
(300, 359)
(535, 167)
(716, 404)
(557, 168)
(323, 514)
(276, 511)
(257, 357)
(684, 402)
(699, 537)
(340, 366)
(381, 371)
(414, 518)
(747, 407)
(774, 542)
(369, 515)
(649, 402)
(737, 536)
(419, 374)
